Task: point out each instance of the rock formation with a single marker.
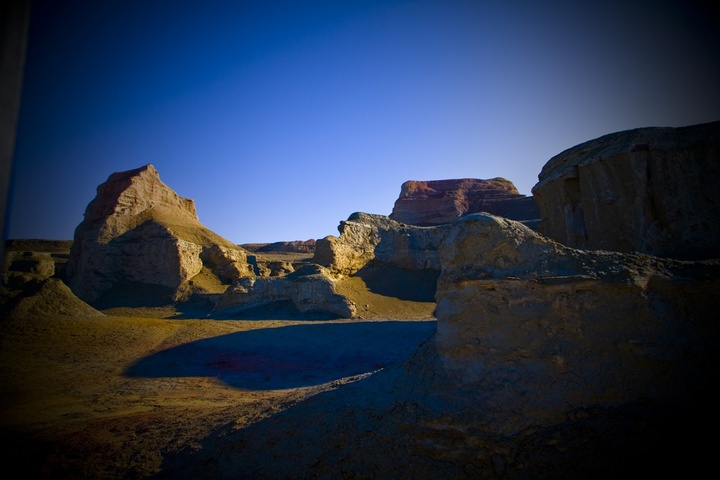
(548, 362)
(541, 328)
(376, 240)
(139, 234)
(438, 202)
(28, 264)
(309, 292)
(649, 190)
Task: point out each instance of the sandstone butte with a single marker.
(138, 237)
(438, 202)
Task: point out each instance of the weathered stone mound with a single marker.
(45, 298)
(308, 292)
(650, 190)
(377, 240)
(438, 202)
(541, 328)
(138, 234)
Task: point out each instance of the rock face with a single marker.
(309, 291)
(541, 328)
(138, 233)
(438, 202)
(650, 190)
(379, 241)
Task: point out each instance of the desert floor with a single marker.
(110, 397)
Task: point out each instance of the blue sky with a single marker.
(281, 118)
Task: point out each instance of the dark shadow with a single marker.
(278, 310)
(413, 285)
(133, 294)
(291, 356)
(197, 306)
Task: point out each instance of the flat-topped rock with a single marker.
(437, 202)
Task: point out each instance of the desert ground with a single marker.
(116, 396)
(166, 392)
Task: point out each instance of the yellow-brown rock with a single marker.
(139, 235)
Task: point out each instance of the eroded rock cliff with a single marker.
(138, 236)
(650, 190)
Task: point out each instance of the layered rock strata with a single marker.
(376, 240)
(138, 232)
(649, 190)
(438, 202)
(309, 291)
(538, 328)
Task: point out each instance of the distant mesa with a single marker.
(652, 190)
(140, 238)
(293, 246)
(438, 202)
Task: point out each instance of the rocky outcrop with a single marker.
(28, 264)
(376, 240)
(272, 268)
(649, 190)
(308, 292)
(438, 202)
(139, 233)
(540, 328)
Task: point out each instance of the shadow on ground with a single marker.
(291, 356)
(413, 285)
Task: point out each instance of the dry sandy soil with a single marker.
(112, 397)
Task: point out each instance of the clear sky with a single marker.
(281, 118)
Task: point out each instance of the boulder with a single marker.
(376, 240)
(138, 234)
(438, 202)
(649, 190)
(308, 292)
(539, 329)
